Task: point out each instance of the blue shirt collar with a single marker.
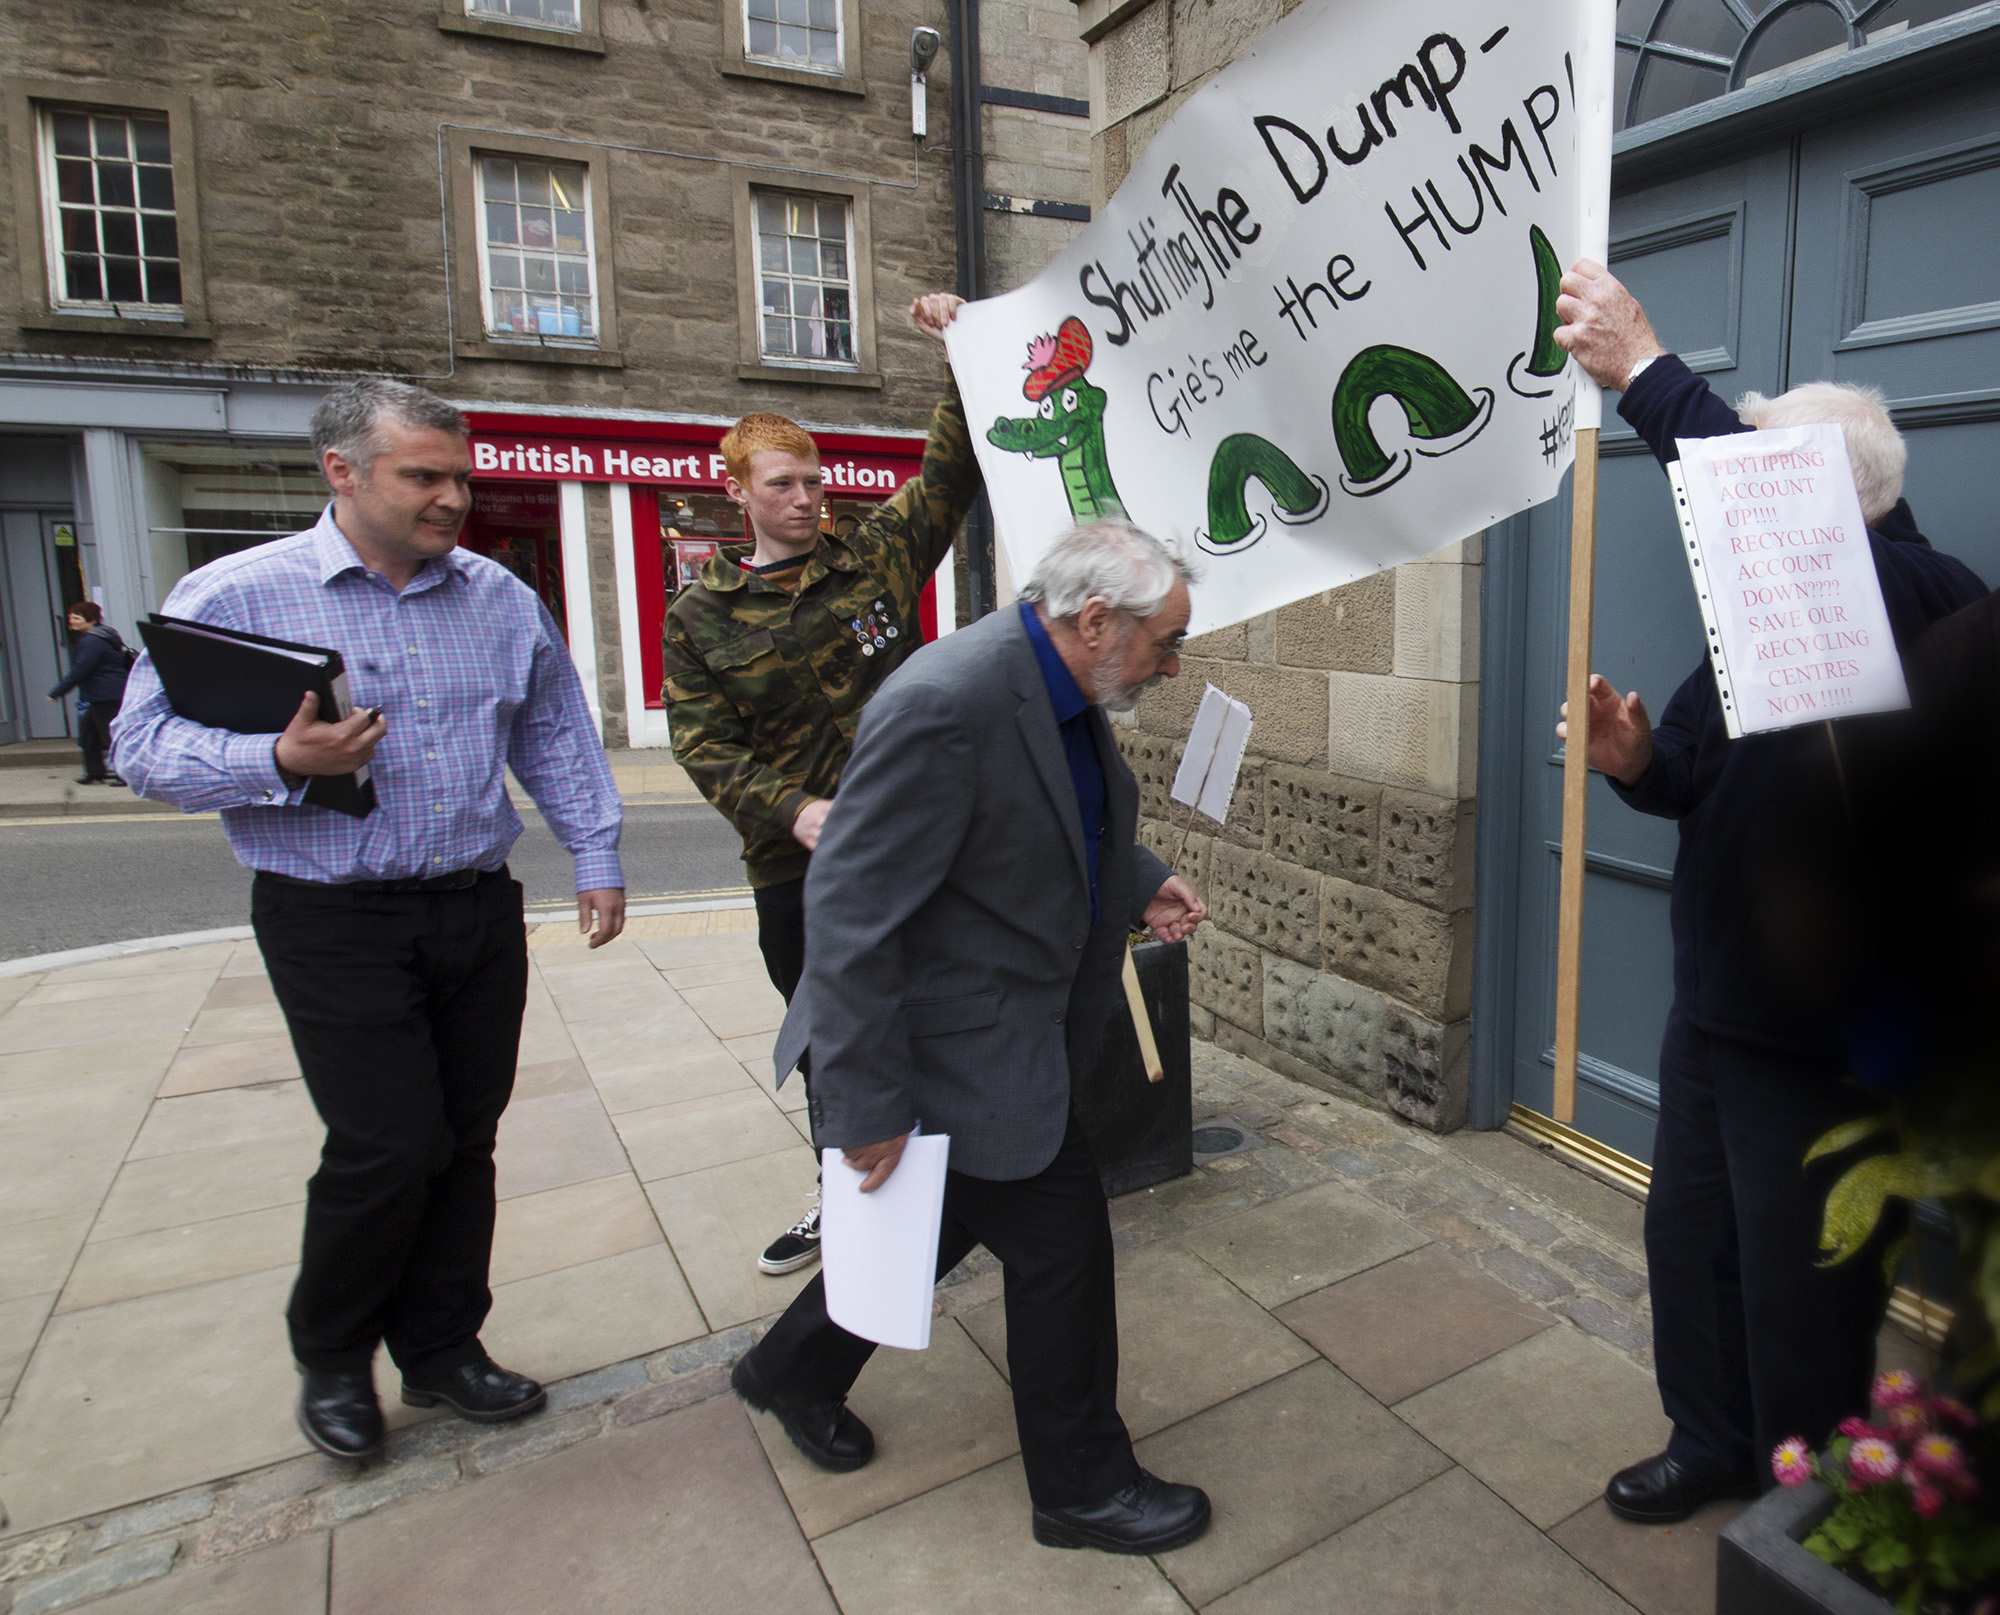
(336, 556)
(1064, 694)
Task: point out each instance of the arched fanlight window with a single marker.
(1675, 53)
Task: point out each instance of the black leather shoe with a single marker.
(1149, 1516)
(339, 1413)
(826, 1432)
(1660, 1492)
(480, 1390)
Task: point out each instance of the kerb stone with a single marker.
(1325, 1021)
(404, 1480)
(148, 1519)
(671, 1395)
(107, 1573)
(536, 1440)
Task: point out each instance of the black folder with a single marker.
(223, 678)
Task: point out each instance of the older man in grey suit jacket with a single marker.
(966, 917)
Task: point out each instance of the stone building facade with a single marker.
(316, 188)
(1341, 888)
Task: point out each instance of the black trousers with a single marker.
(781, 938)
(93, 736)
(405, 1010)
(1753, 1341)
(1052, 1233)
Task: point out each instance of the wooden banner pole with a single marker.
(1576, 771)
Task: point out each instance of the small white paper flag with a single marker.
(1207, 776)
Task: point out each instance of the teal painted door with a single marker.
(1859, 252)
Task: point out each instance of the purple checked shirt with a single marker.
(469, 670)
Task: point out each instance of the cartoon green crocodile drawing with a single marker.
(1069, 428)
(1545, 360)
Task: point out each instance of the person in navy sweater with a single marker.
(1753, 1340)
(97, 669)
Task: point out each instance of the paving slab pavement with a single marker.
(1336, 1330)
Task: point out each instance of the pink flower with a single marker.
(1872, 1459)
(1938, 1455)
(1040, 351)
(1906, 1420)
(1949, 1410)
(1855, 1428)
(1792, 1463)
(1927, 1500)
(1894, 1388)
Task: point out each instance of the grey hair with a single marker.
(1875, 448)
(1109, 560)
(348, 420)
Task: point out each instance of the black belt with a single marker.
(457, 881)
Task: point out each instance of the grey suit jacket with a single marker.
(952, 972)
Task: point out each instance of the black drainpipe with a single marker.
(968, 199)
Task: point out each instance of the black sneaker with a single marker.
(796, 1247)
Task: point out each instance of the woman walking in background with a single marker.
(97, 669)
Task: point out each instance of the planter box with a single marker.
(1760, 1569)
(1143, 1132)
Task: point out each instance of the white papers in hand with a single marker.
(1207, 776)
(879, 1251)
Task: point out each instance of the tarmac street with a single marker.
(1331, 1329)
(93, 864)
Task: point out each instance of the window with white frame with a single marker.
(793, 33)
(562, 14)
(535, 249)
(108, 197)
(805, 279)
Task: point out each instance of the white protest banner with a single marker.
(1797, 630)
(1312, 331)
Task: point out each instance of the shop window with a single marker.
(108, 205)
(205, 501)
(535, 258)
(793, 33)
(563, 14)
(805, 289)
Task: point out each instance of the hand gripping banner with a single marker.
(1312, 333)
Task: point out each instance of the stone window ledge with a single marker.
(125, 328)
(804, 376)
(747, 68)
(454, 19)
(535, 353)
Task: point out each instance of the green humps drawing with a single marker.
(1442, 415)
(1544, 360)
(1069, 427)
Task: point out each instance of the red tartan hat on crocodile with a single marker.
(1053, 360)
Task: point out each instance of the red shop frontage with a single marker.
(668, 513)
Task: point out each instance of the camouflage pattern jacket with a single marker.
(764, 687)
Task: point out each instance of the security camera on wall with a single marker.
(924, 43)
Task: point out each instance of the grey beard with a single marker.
(1120, 697)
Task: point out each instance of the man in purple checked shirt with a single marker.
(394, 943)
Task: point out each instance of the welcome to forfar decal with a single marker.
(673, 465)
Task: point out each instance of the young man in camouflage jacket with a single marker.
(772, 655)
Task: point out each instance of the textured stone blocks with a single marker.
(1415, 733)
(1385, 942)
(1164, 839)
(1129, 68)
(1288, 704)
(1322, 822)
(1325, 1021)
(1427, 1069)
(1266, 901)
(1226, 977)
(1437, 622)
(1351, 629)
(1426, 849)
(1152, 759)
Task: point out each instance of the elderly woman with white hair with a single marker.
(1753, 1340)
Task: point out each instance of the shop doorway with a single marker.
(519, 524)
(41, 577)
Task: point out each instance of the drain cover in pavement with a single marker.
(1216, 1140)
